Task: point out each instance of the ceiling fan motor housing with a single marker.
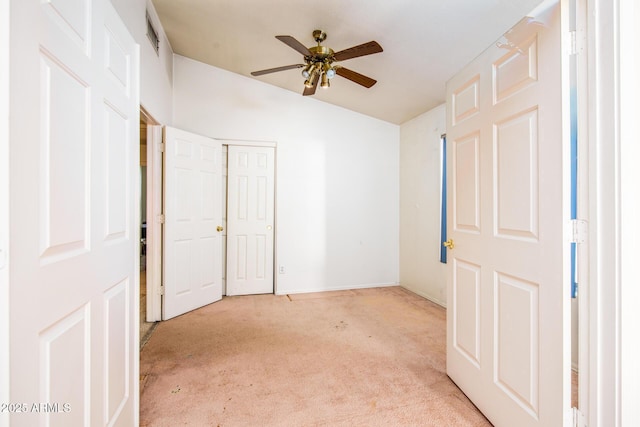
(320, 54)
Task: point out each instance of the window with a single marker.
(443, 199)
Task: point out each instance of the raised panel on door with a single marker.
(466, 310)
(193, 213)
(250, 220)
(74, 146)
(516, 176)
(508, 268)
(466, 183)
(516, 340)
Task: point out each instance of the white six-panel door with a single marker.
(250, 220)
(74, 217)
(193, 215)
(507, 293)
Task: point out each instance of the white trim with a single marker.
(242, 142)
(4, 210)
(342, 288)
(154, 227)
(582, 87)
(425, 296)
(275, 220)
(565, 67)
(603, 198)
(629, 315)
(613, 208)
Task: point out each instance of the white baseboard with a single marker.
(337, 288)
(426, 296)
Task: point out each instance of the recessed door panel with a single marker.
(516, 70)
(64, 161)
(241, 257)
(465, 100)
(65, 359)
(117, 147)
(242, 197)
(466, 208)
(466, 310)
(516, 176)
(117, 351)
(183, 200)
(210, 205)
(517, 353)
(72, 19)
(209, 276)
(117, 63)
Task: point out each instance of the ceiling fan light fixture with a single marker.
(306, 72)
(329, 71)
(313, 69)
(325, 81)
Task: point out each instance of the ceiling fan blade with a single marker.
(275, 70)
(311, 90)
(355, 77)
(360, 50)
(294, 44)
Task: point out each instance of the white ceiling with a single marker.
(425, 43)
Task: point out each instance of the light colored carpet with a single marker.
(370, 357)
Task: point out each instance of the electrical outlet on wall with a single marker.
(281, 270)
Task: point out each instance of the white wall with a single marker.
(4, 209)
(420, 146)
(629, 317)
(156, 70)
(337, 175)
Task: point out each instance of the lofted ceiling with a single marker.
(425, 43)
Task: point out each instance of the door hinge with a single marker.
(578, 418)
(574, 42)
(161, 290)
(160, 219)
(578, 230)
(161, 147)
(570, 43)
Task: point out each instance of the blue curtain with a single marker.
(574, 184)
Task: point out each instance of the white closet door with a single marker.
(74, 215)
(193, 222)
(508, 316)
(250, 219)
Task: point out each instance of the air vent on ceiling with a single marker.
(152, 34)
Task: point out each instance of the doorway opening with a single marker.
(147, 322)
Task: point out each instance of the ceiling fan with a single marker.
(319, 62)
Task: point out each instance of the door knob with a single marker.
(219, 228)
(448, 244)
